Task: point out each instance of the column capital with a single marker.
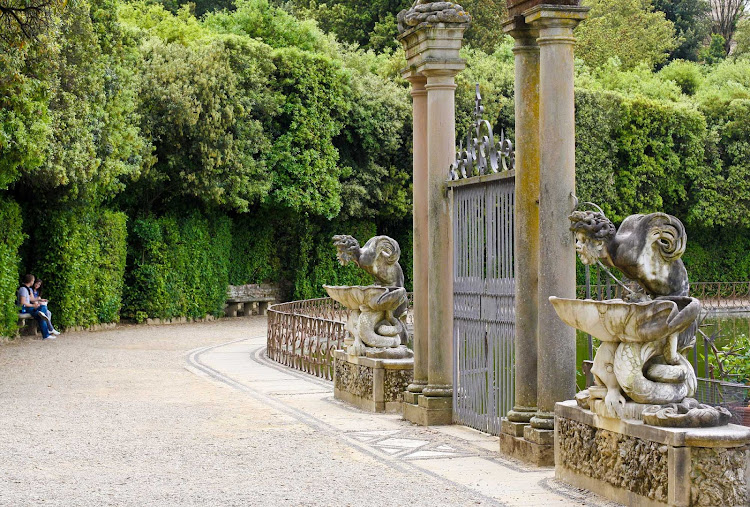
(524, 34)
(565, 17)
(433, 46)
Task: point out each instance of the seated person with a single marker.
(23, 299)
(35, 297)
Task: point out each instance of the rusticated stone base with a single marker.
(376, 385)
(637, 464)
(527, 444)
(428, 410)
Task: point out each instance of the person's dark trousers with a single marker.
(34, 312)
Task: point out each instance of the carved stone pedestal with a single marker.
(524, 443)
(376, 385)
(636, 464)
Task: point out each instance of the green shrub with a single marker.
(687, 75)
(11, 238)
(177, 267)
(80, 255)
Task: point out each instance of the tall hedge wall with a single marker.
(79, 253)
(177, 266)
(11, 237)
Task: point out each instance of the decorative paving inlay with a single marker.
(410, 445)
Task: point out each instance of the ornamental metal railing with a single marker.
(304, 334)
(729, 296)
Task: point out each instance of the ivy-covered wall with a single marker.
(79, 253)
(11, 237)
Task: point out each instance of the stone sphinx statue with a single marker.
(640, 369)
(376, 323)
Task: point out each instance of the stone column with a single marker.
(432, 52)
(556, 341)
(420, 246)
(526, 233)
(441, 146)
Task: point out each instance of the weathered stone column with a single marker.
(420, 246)
(526, 233)
(432, 52)
(556, 341)
(441, 144)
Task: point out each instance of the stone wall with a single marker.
(353, 378)
(717, 476)
(637, 465)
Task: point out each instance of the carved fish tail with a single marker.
(630, 359)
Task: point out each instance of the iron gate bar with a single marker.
(484, 296)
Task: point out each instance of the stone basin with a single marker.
(374, 297)
(616, 320)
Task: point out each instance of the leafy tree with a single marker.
(627, 29)
(726, 14)
(692, 24)
(277, 28)
(203, 104)
(742, 38)
(686, 75)
(27, 19)
(371, 25)
(487, 17)
(714, 52)
(94, 141)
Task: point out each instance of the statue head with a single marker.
(593, 231)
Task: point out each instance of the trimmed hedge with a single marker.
(177, 266)
(11, 237)
(80, 256)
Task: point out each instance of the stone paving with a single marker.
(195, 414)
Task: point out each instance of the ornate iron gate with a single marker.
(483, 283)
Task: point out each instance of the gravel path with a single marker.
(117, 418)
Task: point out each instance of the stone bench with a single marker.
(27, 325)
(250, 299)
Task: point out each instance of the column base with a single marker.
(438, 390)
(520, 441)
(427, 410)
(543, 421)
(522, 414)
(417, 386)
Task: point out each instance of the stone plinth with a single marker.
(376, 385)
(524, 443)
(636, 464)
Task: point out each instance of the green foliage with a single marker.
(80, 255)
(640, 156)
(692, 24)
(24, 114)
(94, 142)
(303, 160)
(11, 238)
(494, 73)
(374, 145)
(277, 28)
(487, 16)
(203, 105)
(686, 75)
(716, 51)
(742, 39)
(637, 82)
(255, 251)
(371, 25)
(629, 30)
(177, 266)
